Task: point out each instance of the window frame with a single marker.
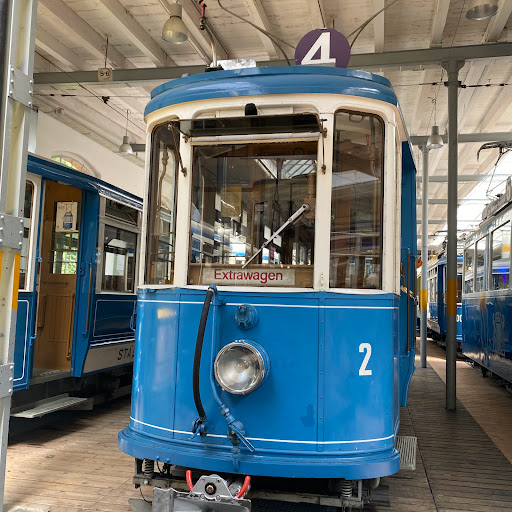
(33, 235)
(464, 280)
(106, 220)
(485, 284)
(490, 258)
(381, 119)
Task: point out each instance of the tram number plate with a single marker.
(367, 349)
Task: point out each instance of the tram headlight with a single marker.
(241, 366)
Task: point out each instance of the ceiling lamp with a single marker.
(174, 30)
(125, 149)
(435, 141)
(481, 9)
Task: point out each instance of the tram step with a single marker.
(47, 406)
(406, 445)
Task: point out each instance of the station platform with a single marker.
(464, 458)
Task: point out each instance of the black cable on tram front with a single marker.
(199, 425)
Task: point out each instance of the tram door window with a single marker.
(25, 249)
(469, 262)
(57, 280)
(163, 190)
(481, 265)
(500, 257)
(119, 228)
(356, 208)
(242, 195)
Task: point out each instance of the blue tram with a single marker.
(76, 289)
(436, 297)
(275, 314)
(487, 295)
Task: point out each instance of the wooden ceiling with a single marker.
(72, 36)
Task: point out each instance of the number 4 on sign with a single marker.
(365, 347)
(323, 43)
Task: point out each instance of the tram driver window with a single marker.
(242, 194)
(356, 209)
(501, 257)
(27, 215)
(469, 256)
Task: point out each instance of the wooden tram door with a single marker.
(58, 276)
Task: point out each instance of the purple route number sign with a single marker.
(323, 47)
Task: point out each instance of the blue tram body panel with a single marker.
(315, 400)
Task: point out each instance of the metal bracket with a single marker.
(11, 231)
(210, 494)
(21, 87)
(6, 379)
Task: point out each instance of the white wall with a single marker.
(55, 138)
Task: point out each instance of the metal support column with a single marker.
(452, 68)
(17, 31)
(424, 258)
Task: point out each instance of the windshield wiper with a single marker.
(292, 220)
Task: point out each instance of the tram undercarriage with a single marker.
(174, 491)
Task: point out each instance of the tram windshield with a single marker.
(242, 196)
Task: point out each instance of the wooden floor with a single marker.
(464, 457)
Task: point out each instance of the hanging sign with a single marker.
(65, 219)
(323, 47)
(105, 75)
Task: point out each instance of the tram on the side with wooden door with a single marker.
(77, 284)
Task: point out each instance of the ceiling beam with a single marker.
(498, 21)
(92, 41)
(378, 26)
(46, 42)
(316, 13)
(199, 38)
(369, 60)
(135, 33)
(421, 140)
(440, 15)
(259, 17)
(443, 178)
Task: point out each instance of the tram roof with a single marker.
(58, 172)
(272, 80)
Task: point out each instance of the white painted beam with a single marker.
(498, 21)
(93, 41)
(378, 26)
(316, 13)
(57, 50)
(259, 17)
(133, 31)
(440, 15)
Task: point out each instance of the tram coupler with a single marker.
(210, 494)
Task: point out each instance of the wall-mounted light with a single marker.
(481, 9)
(125, 149)
(174, 30)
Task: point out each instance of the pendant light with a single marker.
(481, 9)
(125, 149)
(174, 30)
(435, 141)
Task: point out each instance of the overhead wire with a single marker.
(91, 92)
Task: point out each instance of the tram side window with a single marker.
(27, 215)
(481, 257)
(469, 255)
(356, 208)
(119, 250)
(162, 204)
(501, 257)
